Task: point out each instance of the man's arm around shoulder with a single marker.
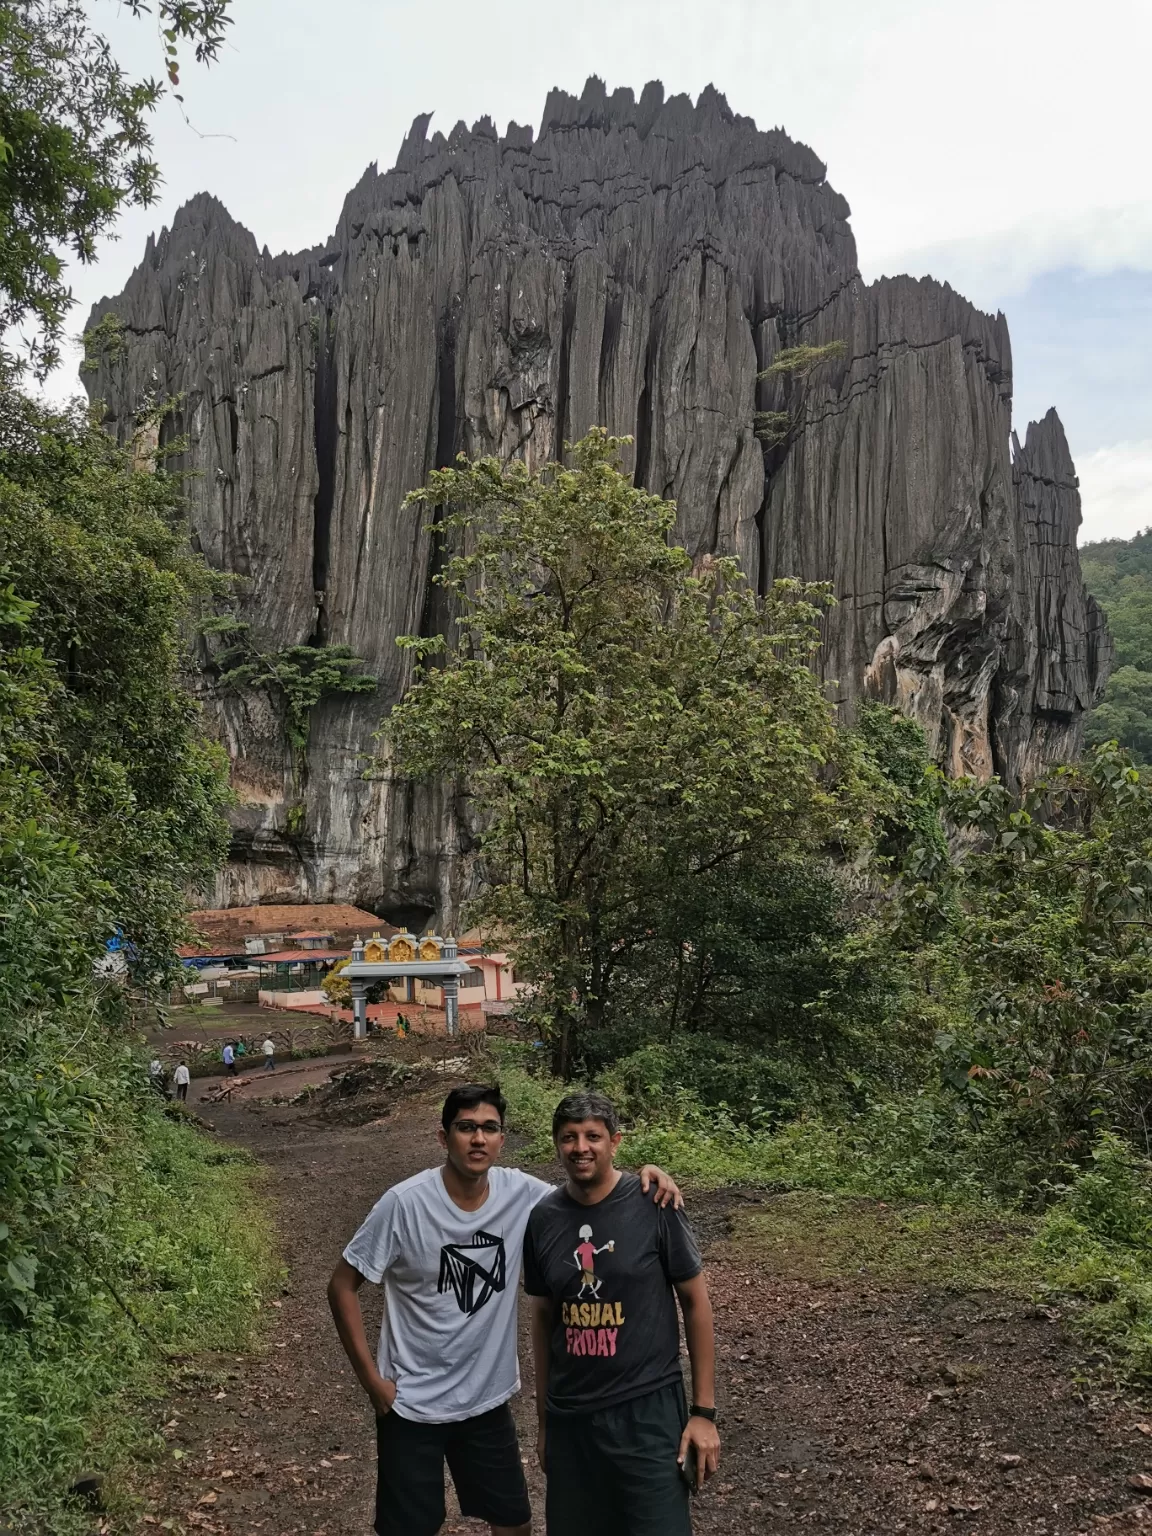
(344, 1300)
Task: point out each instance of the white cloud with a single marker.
(989, 268)
(1116, 491)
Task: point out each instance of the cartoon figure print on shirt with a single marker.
(473, 1271)
(585, 1256)
(591, 1327)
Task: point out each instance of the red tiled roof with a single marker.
(282, 956)
(224, 929)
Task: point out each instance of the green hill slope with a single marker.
(1118, 573)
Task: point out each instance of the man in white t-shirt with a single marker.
(182, 1077)
(269, 1049)
(447, 1245)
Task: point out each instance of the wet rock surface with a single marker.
(636, 264)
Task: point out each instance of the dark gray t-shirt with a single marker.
(609, 1269)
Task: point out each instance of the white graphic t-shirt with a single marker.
(451, 1281)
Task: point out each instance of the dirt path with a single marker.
(861, 1408)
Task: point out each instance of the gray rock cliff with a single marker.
(636, 264)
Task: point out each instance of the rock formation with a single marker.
(636, 264)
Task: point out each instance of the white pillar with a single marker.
(359, 1010)
(451, 992)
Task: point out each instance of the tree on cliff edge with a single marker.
(623, 721)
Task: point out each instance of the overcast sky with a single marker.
(1002, 145)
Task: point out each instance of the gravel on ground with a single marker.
(844, 1404)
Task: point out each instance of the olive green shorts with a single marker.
(613, 1472)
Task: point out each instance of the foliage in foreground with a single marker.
(162, 1249)
(1036, 935)
(122, 1235)
(74, 143)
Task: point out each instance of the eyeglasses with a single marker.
(470, 1127)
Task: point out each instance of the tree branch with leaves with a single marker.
(621, 719)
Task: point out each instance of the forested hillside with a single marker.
(1118, 573)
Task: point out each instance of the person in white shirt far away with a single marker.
(182, 1077)
(228, 1057)
(447, 1246)
(269, 1050)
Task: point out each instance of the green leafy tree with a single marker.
(111, 806)
(1040, 944)
(297, 677)
(1118, 573)
(623, 722)
(75, 143)
(96, 551)
(775, 428)
(1124, 714)
(757, 989)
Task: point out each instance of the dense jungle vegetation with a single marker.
(1118, 573)
(124, 1235)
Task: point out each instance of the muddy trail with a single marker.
(845, 1403)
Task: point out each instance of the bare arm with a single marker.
(696, 1307)
(666, 1190)
(541, 1313)
(344, 1300)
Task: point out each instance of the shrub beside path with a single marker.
(849, 1401)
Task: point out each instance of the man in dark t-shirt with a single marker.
(604, 1270)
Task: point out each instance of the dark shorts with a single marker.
(483, 1456)
(615, 1472)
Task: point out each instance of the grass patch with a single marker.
(815, 1236)
(194, 1248)
(882, 1197)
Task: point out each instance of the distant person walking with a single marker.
(156, 1076)
(182, 1077)
(228, 1056)
(269, 1050)
(241, 1049)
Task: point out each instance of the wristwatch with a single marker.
(696, 1412)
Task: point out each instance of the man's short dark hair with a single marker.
(587, 1105)
(468, 1097)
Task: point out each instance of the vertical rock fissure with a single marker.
(324, 416)
(433, 615)
(568, 320)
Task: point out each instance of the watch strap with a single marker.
(696, 1412)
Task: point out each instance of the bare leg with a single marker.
(511, 1530)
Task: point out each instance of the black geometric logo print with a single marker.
(472, 1271)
